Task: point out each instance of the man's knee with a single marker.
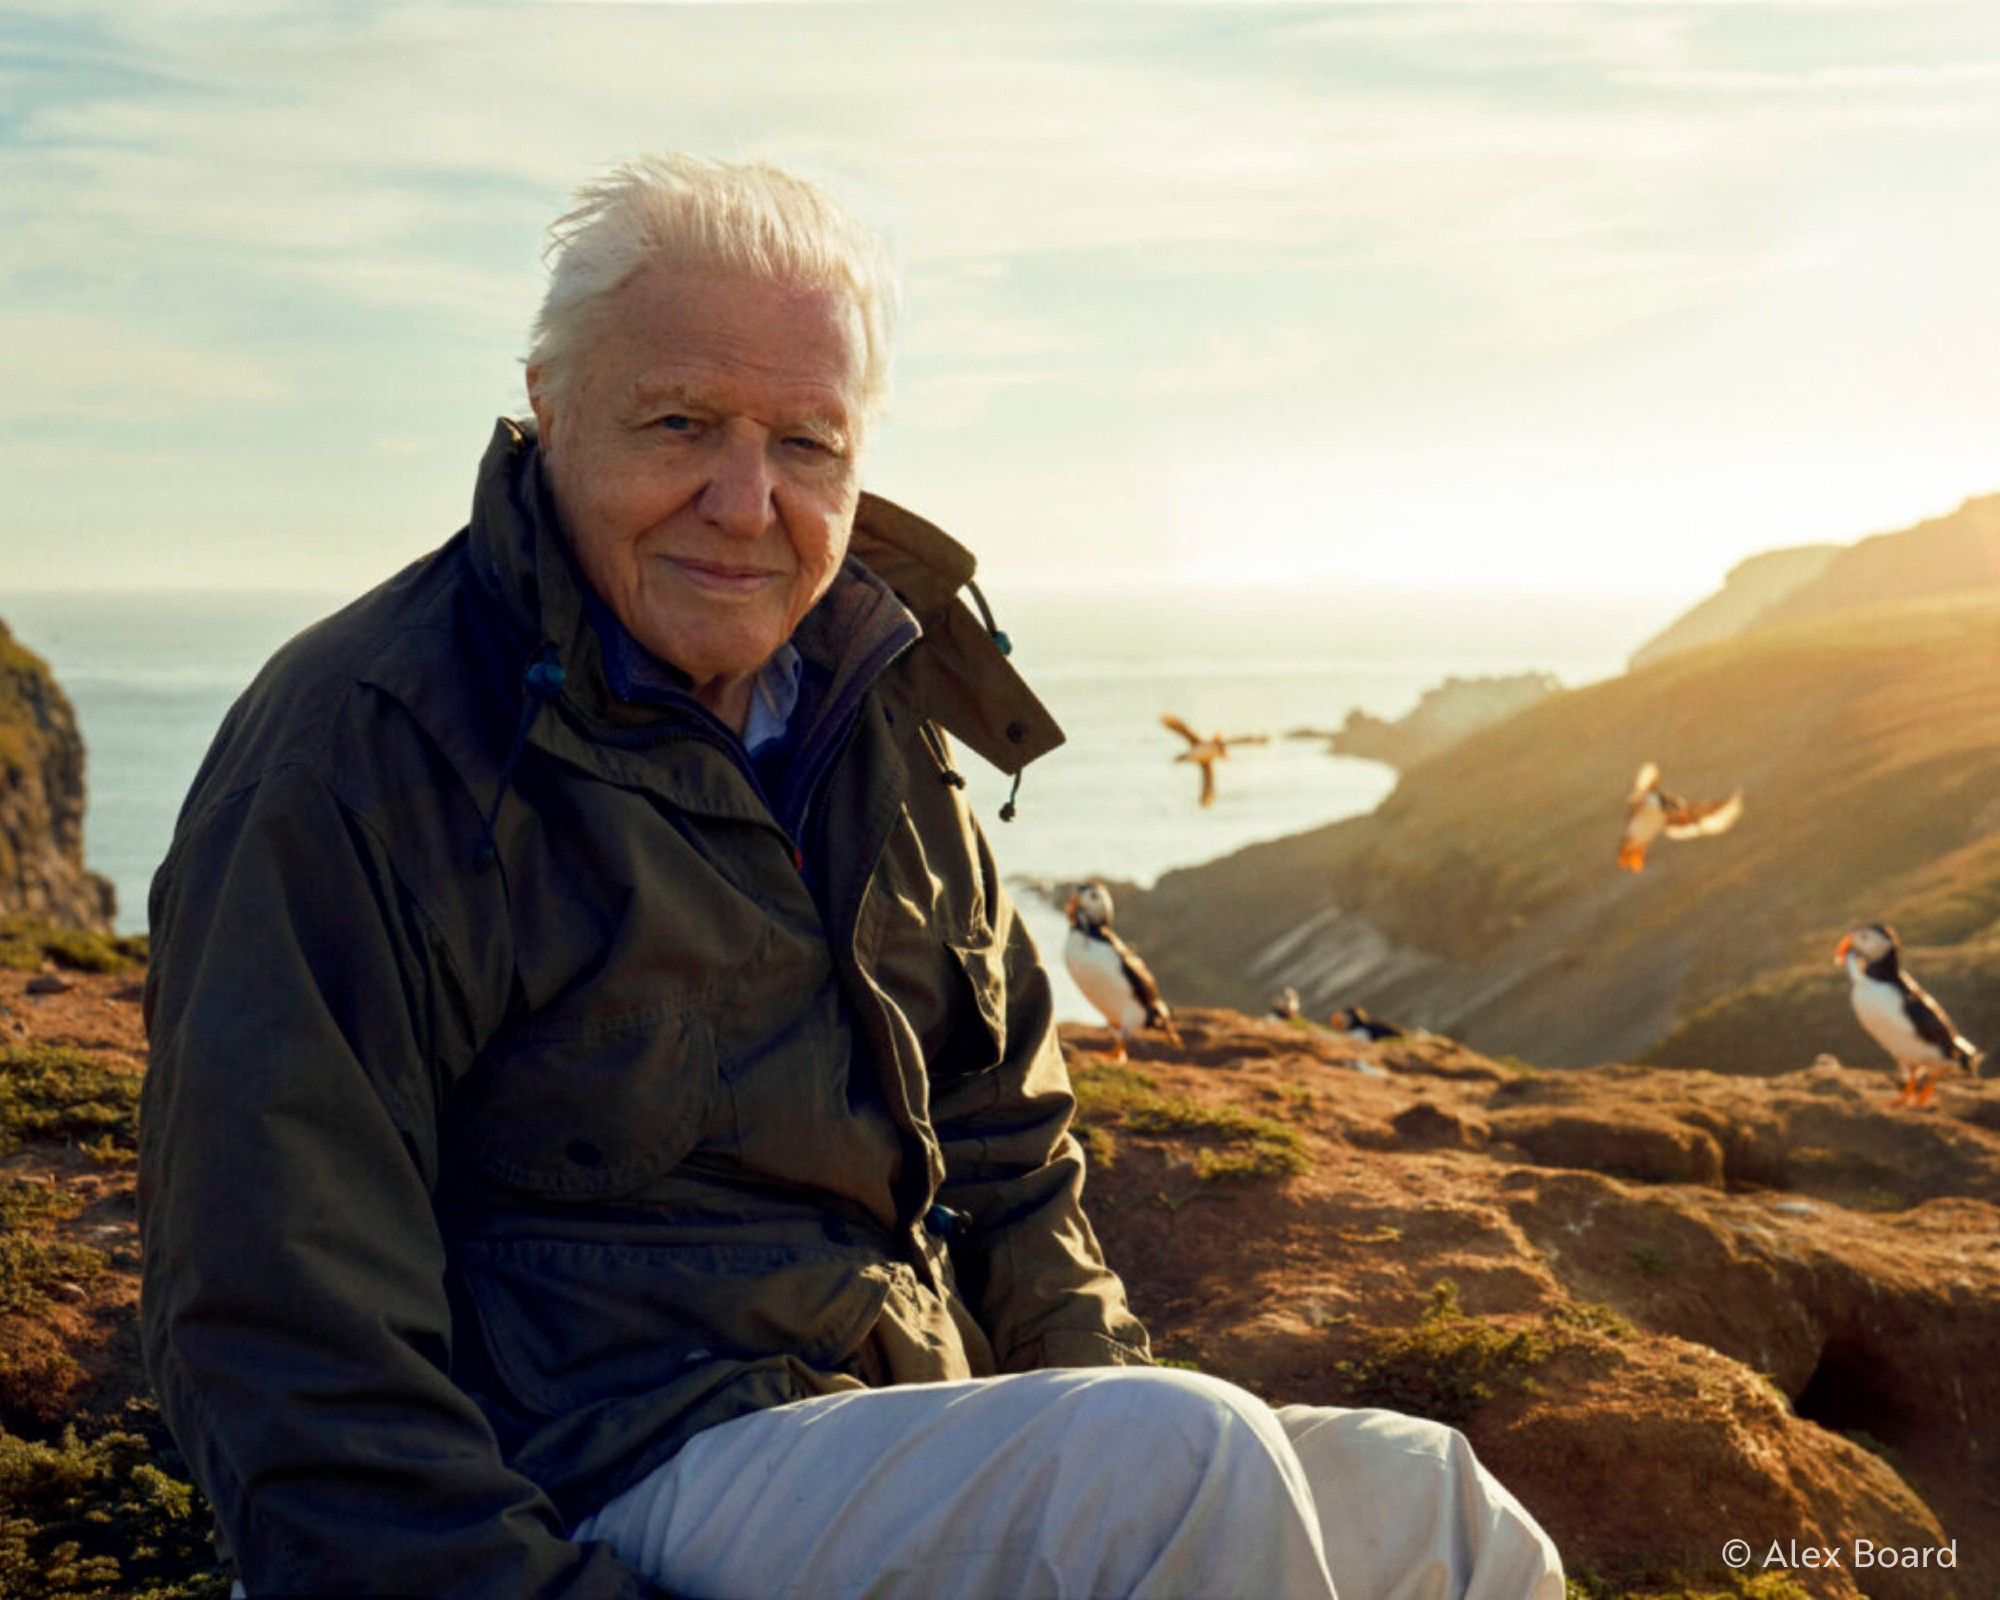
(1187, 1428)
(1401, 1495)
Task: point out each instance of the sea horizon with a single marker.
(150, 673)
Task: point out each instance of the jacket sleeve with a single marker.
(1027, 1259)
(302, 1010)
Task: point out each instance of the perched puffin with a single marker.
(1901, 1017)
(1358, 1025)
(1111, 977)
(1650, 811)
(1205, 750)
(1285, 1004)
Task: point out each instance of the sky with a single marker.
(1576, 298)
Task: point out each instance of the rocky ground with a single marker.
(1671, 1308)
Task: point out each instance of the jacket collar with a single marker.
(957, 674)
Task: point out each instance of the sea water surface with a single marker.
(151, 674)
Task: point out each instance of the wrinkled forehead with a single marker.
(716, 333)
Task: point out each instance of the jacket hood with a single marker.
(958, 673)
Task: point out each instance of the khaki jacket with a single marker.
(529, 1090)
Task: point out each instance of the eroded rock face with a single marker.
(1762, 1308)
(42, 799)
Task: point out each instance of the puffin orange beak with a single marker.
(1069, 908)
(1840, 955)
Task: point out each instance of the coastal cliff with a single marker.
(1670, 1308)
(1454, 710)
(42, 800)
(1950, 554)
(1482, 898)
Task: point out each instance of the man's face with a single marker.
(704, 458)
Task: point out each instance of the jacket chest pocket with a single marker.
(587, 1114)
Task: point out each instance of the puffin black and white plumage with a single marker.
(1650, 811)
(1110, 974)
(1205, 749)
(1900, 1016)
(1358, 1025)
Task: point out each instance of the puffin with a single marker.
(1358, 1025)
(1111, 976)
(1204, 750)
(1901, 1017)
(1650, 811)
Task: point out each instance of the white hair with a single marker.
(699, 215)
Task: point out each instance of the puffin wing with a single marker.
(1181, 728)
(1649, 775)
(1696, 819)
(1144, 985)
(1248, 738)
(1931, 1024)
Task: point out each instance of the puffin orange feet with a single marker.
(1926, 1091)
(1632, 858)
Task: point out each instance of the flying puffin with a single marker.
(1650, 811)
(1901, 1017)
(1205, 750)
(1358, 1025)
(1111, 977)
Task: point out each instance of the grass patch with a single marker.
(1731, 1586)
(1651, 1260)
(1588, 1319)
(27, 942)
(1450, 1364)
(57, 1092)
(31, 1267)
(1230, 1144)
(1447, 1366)
(105, 1518)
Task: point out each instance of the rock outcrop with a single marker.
(1454, 710)
(1677, 1308)
(41, 799)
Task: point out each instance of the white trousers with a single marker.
(1095, 1484)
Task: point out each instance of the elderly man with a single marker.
(605, 1134)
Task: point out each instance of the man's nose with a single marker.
(737, 496)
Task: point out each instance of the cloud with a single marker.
(80, 369)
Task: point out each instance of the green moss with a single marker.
(1729, 1586)
(103, 1518)
(59, 1093)
(1450, 1364)
(26, 942)
(1447, 1366)
(30, 1267)
(1230, 1144)
(1651, 1259)
(1587, 1319)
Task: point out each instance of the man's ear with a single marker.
(542, 406)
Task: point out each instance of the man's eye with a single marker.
(674, 422)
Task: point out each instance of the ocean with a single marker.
(151, 674)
